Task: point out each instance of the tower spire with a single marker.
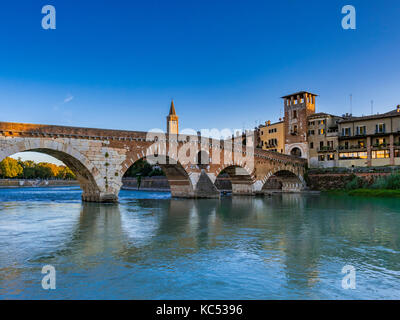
(172, 120)
(172, 109)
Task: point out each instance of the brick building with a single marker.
(298, 107)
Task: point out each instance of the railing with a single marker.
(326, 148)
(353, 147)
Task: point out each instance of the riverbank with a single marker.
(17, 183)
(382, 193)
(375, 193)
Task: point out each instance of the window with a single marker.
(330, 157)
(346, 132)
(311, 132)
(361, 130)
(321, 158)
(311, 145)
(321, 144)
(361, 143)
(330, 144)
(272, 142)
(380, 154)
(321, 131)
(380, 128)
(352, 155)
(321, 122)
(380, 141)
(294, 114)
(310, 123)
(397, 153)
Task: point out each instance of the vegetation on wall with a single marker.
(389, 182)
(11, 168)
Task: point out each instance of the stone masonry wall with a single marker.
(335, 181)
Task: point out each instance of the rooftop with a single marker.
(299, 93)
(322, 114)
(393, 113)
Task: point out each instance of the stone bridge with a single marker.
(191, 163)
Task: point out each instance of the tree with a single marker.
(65, 173)
(10, 168)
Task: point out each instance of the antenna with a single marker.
(351, 104)
(372, 107)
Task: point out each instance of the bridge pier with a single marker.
(99, 197)
(292, 186)
(242, 189)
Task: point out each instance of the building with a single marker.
(370, 140)
(323, 134)
(328, 140)
(172, 120)
(272, 136)
(298, 107)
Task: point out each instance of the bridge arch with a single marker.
(285, 179)
(240, 177)
(86, 173)
(180, 182)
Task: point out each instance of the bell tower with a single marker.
(298, 106)
(172, 120)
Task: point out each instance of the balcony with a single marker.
(379, 146)
(353, 148)
(326, 149)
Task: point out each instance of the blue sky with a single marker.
(117, 64)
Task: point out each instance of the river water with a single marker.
(150, 246)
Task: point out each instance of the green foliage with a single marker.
(144, 169)
(391, 182)
(355, 183)
(11, 168)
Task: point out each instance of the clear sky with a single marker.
(117, 64)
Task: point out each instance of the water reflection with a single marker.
(284, 246)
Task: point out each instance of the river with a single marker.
(150, 246)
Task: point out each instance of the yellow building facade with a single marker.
(272, 136)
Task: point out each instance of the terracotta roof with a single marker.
(264, 125)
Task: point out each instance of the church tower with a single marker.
(172, 120)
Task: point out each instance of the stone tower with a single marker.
(298, 106)
(172, 120)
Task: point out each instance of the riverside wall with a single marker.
(337, 181)
(13, 183)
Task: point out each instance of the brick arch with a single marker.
(180, 181)
(87, 174)
(286, 174)
(225, 166)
